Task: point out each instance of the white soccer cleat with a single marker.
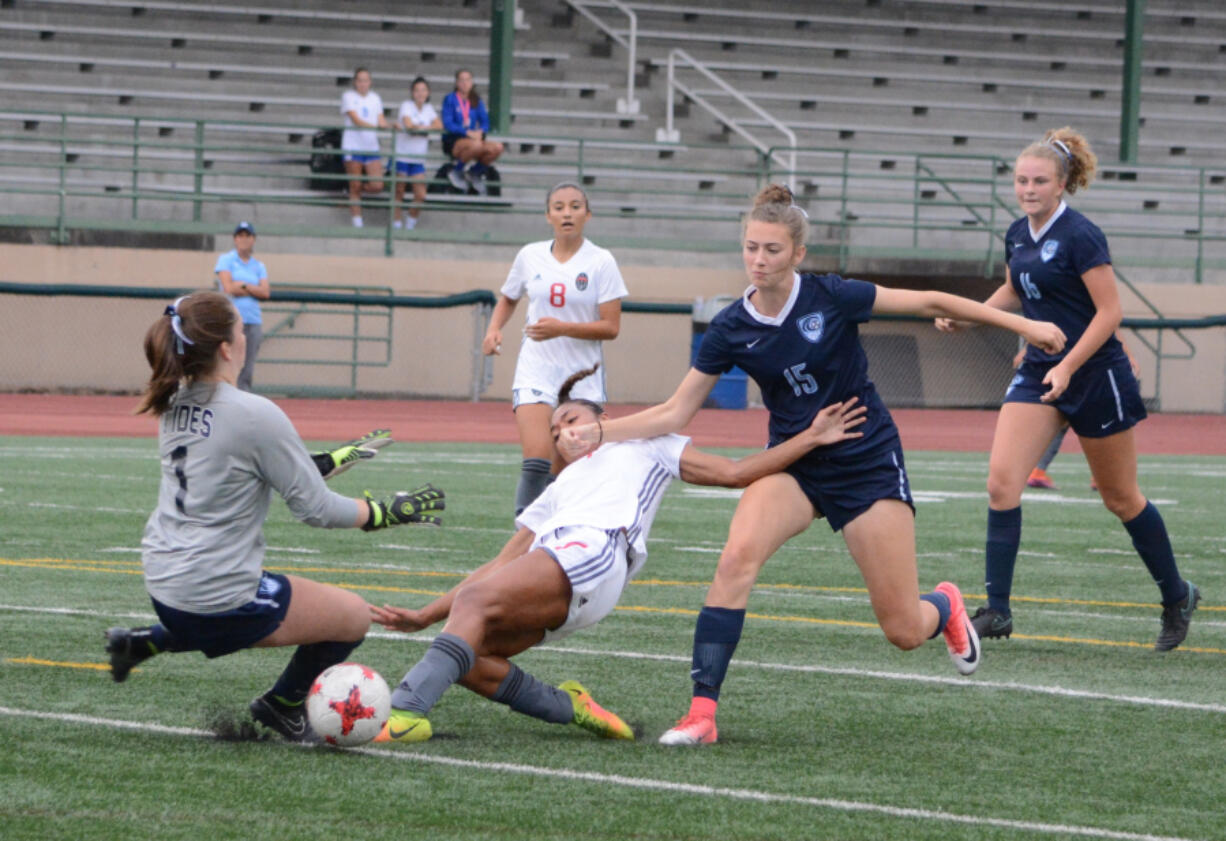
(692, 730)
(960, 636)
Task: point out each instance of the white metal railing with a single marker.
(629, 105)
(669, 133)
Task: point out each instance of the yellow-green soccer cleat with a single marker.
(592, 717)
(405, 726)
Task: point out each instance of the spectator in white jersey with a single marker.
(245, 279)
(223, 452)
(565, 568)
(363, 112)
(574, 292)
(417, 116)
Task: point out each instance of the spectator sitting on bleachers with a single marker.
(465, 123)
(416, 117)
(363, 110)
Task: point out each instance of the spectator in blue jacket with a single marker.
(245, 280)
(465, 124)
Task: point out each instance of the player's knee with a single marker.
(477, 600)
(903, 635)
(739, 562)
(1003, 492)
(1123, 504)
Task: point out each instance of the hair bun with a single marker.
(774, 194)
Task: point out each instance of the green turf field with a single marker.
(1073, 728)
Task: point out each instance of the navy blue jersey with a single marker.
(805, 358)
(1046, 275)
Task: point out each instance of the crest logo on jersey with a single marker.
(811, 326)
(581, 281)
(1049, 250)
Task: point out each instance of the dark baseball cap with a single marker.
(244, 228)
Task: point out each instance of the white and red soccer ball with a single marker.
(348, 704)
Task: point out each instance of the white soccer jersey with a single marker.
(570, 291)
(617, 486)
(411, 148)
(224, 452)
(369, 107)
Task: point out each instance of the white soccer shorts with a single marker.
(595, 562)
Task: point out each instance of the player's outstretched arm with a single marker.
(1042, 334)
(409, 620)
(419, 507)
(335, 462)
(832, 424)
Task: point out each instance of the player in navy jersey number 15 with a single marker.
(1059, 269)
(797, 336)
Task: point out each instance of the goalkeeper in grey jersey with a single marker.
(223, 453)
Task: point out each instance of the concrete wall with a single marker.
(95, 343)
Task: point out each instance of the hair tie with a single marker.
(803, 212)
(176, 324)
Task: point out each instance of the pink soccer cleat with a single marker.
(960, 636)
(692, 730)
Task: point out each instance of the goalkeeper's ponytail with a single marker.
(181, 346)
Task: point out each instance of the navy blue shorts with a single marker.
(409, 169)
(842, 489)
(218, 634)
(1101, 399)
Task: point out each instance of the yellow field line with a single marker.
(114, 566)
(34, 661)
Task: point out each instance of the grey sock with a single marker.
(525, 694)
(447, 660)
(534, 477)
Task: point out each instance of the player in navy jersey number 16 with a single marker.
(1059, 269)
(797, 336)
(574, 291)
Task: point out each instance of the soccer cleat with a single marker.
(1175, 620)
(960, 636)
(990, 623)
(289, 721)
(592, 717)
(1040, 479)
(692, 730)
(127, 647)
(405, 726)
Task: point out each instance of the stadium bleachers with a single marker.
(898, 77)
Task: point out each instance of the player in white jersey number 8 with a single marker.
(574, 291)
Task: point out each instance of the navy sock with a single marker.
(477, 168)
(161, 639)
(715, 637)
(1152, 543)
(941, 602)
(1004, 536)
(534, 477)
(447, 660)
(306, 664)
(525, 694)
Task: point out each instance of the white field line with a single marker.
(966, 683)
(648, 784)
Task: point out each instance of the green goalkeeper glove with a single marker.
(407, 507)
(335, 462)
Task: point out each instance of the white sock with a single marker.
(357, 221)
(410, 223)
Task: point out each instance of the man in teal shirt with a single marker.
(245, 280)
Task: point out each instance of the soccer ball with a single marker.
(348, 704)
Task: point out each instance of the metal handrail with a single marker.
(629, 105)
(670, 134)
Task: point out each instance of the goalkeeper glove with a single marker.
(407, 507)
(335, 462)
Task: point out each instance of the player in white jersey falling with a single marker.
(565, 569)
(574, 292)
(224, 451)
